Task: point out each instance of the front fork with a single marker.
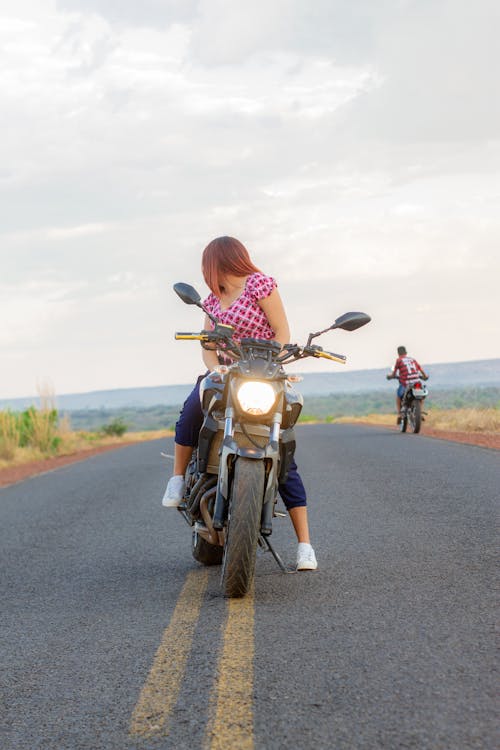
(221, 498)
(230, 451)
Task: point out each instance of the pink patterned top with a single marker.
(245, 314)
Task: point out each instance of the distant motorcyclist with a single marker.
(407, 370)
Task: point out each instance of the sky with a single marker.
(353, 146)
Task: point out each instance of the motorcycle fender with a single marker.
(231, 450)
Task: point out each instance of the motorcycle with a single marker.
(411, 413)
(411, 405)
(246, 444)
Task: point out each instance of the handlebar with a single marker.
(390, 376)
(292, 353)
(313, 350)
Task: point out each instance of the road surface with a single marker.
(113, 637)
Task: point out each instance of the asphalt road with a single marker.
(389, 644)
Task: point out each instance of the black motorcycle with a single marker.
(246, 444)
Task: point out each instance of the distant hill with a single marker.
(478, 373)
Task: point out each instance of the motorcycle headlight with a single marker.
(255, 397)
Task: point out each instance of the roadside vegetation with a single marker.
(453, 420)
(137, 419)
(475, 409)
(39, 433)
(334, 406)
(316, 408)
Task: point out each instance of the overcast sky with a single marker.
(352, 145)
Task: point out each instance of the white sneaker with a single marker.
(306, 559)
(174, 493)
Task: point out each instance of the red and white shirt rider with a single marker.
(406, 369)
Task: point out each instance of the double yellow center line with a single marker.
(232, 725)
(231, 720)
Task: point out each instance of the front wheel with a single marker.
(416, 416)
(243, 526)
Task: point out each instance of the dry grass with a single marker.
(75, 442)
(454, 420)
(43, 421)
(22, 456)
(64, 428)
(465, 420)
(43, 429)
(9, 435)
(382, 419)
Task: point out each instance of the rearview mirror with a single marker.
(187, 293)
(350, 321)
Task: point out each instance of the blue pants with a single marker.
(187, 429)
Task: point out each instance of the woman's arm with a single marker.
(209, 356)
(276, 315)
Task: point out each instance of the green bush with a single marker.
(38, 428)
(117, 427)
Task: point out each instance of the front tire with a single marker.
(243, 526)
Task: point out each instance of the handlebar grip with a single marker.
(340, 358)
(190, 337)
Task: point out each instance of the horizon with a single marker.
(189, 383)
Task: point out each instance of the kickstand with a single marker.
(264, 542)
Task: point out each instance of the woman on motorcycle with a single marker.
(245, 298)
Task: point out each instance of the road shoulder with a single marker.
(15, 474)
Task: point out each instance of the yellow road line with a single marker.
(161, 690)
(232, 725)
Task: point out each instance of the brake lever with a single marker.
(312, 350)
(292, 351)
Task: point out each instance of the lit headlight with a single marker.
(255, 397)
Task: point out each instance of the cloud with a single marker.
(55, 233)
(352, 146)
(439, 61)
(227, 32)
(30, 309)
(125, 13)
